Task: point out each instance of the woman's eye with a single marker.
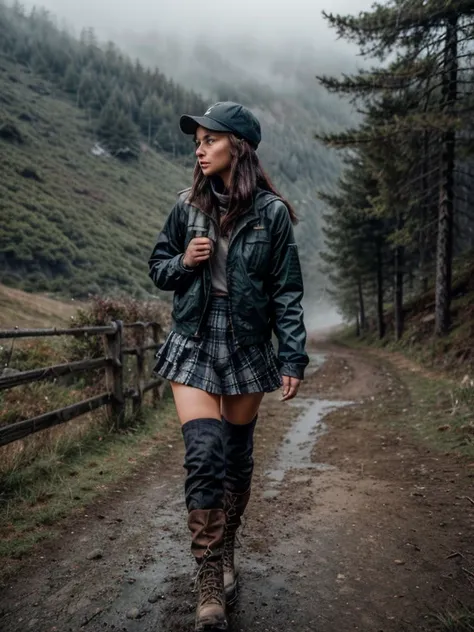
(210, 141)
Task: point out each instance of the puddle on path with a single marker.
(297, 446)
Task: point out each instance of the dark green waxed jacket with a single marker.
(264, 279)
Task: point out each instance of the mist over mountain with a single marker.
(287, 68)
(264, 20)
(263, 55)
(270, 64)
(277, 81)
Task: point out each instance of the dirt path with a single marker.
(352, 526)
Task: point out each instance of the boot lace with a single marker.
(208, 580)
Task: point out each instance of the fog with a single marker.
(256, 38)
(207, 19)
(320, 317)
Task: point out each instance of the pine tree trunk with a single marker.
(423, 266)
(410, 280)
(361, 305)
(444, 252)
(380, 319)
(398, 298)
(357, 326)
(423, 243)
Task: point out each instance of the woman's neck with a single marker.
(222, 198)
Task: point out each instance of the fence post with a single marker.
(156, 328)
(114, 373)
(138, 399)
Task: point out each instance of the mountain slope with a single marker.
(24, 309)
(73, 222)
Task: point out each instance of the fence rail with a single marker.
(73, 331)
(59, 370)
(22, 429)
(113, 362)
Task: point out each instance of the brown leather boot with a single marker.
(235, 505)
(207, 528)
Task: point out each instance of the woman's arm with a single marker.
(166, 266)
(286, 295)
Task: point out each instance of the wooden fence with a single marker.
(115, 396)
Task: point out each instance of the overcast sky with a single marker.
(301, 18)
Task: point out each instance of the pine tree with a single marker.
(87, 91)
(431, 39)
(150, 116)
(355, 239)
(118, 132)
(71, 79)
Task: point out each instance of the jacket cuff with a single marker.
(183, 267)
(293, 370)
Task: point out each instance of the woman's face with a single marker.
(213, 151)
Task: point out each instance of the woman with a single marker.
(227, 251)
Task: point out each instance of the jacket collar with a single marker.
(200, 221)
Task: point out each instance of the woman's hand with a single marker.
(290, 387)
(199, 249)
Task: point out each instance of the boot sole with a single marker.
(212, 628)
(218, 626)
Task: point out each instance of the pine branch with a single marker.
(387, 23)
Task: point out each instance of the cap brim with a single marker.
(189, 124)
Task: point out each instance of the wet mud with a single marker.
(332, 541)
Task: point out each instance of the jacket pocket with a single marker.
(186, 301)
(256, 250)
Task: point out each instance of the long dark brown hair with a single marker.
(246, 175)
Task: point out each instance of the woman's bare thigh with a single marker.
(194, 403)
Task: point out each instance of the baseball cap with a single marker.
(225, 116)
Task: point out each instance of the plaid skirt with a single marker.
(216, 363)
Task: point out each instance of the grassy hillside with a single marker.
(72, 222)
(24, 309)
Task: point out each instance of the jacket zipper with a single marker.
(231, 241)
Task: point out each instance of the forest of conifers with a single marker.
(122, 96)
(403, 211)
